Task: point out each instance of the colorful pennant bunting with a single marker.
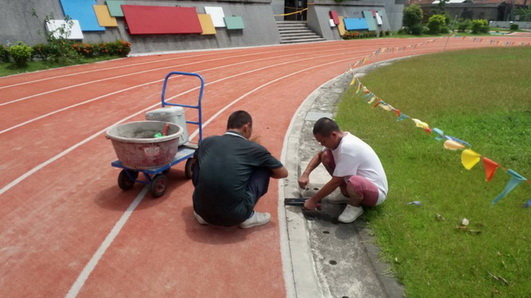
(490, 168)
(515, 180)
(469, 158)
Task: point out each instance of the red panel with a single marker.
(161, 19)
(333, 16)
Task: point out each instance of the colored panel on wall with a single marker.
(378, 19)
(217, 15)
(370, 20)
(234, 23)
(55, 26)
(104, 17)
(115, 7)
(82, 11)
(333, 16)
(355, 24)
(206, 24)
(332, 24)
(341, 26)
(161, 19)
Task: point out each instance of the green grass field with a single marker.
(483, 97)
(7, 69)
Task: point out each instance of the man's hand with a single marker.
(310, 205)
(303, 181)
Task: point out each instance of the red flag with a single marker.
(490, 168)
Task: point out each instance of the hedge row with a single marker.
(22, 53)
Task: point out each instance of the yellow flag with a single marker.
(469, 158)
(453, 145)
(353, 81)
(420, 124)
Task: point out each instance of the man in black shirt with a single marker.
(230, 175)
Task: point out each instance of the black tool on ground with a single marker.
(297, 202)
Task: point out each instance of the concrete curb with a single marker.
(321, 257)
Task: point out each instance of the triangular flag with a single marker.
(402, 117)
(453, 145)
(397, 112)
(420, 124)
(359, 88)
(386, 107)
(372, 99)
(515, 180)
(439, 134)
(490, 168)
(354, 81)
(469, 158)
(458, 140)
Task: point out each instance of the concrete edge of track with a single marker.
(303, 276)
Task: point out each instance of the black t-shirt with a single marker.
(225, 165)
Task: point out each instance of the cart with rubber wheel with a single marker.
(156, 177)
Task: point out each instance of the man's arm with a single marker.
(279, 173)
(327, 189)
(304, 179)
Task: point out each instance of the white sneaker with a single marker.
(350, 214)
(200, 219)
(257, 219)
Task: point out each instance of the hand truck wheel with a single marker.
(126, 179)
(158, 185)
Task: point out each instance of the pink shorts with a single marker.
(357, 186)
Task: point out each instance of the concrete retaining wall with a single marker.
(500, 24)
(19, 24)
(24, 21)
(318, 15)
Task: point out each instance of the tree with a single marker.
(436, 23)
(523, 14)
(412, 17)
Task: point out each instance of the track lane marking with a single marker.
(93, 262)
(157, 81)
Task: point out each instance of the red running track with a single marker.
(67, 228)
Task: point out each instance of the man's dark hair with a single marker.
(238, 119)
(325, 126)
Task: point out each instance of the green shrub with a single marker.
(480, 26)
(4, 54)
(514, 27)
(417, 29)
(412, 17)
(463, 26)
(84, 49)
(119, 48)
(21, 54)
(359, 34)
(435, 23)
(41, 51)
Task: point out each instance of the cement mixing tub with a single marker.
(137, 148)
(139, 151)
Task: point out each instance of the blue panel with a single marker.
(370, 20)
(355, 24)
(82, 11)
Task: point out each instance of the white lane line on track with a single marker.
(40, 166)
(130, 74)
(91, 265)
(115, 67)
(85, 72)
(157, 81)
(112, 78)
(80, 281)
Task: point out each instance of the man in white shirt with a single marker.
(354, 166)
